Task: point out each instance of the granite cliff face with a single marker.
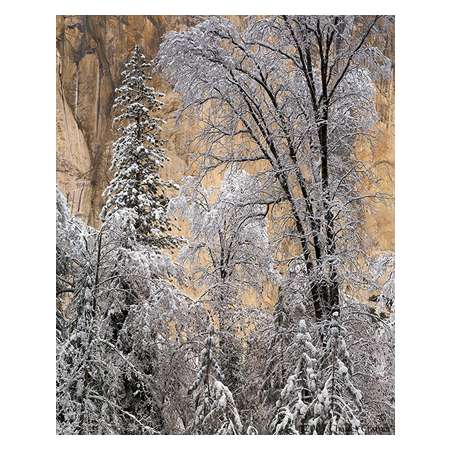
(90, 53)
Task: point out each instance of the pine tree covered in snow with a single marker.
(138, 156)
(293, 406)
(338, 401)
(215, 409)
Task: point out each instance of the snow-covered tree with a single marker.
(215, 410)
(294, 96)
(112, 364)
(138, 156)
(338, 402)
(75, 275)
(293, 407)
(228, 254)
(228, 251)
(293, 93)
(371, 339)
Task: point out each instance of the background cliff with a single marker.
(90, 53)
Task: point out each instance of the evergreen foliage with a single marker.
(138, 156)
(215, 410)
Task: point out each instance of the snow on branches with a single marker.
(138, 156)
(215, 410)
(295, 94)
(228, 231)
(294, 404)
(115, 335)
(338, 401)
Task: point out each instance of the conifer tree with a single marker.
(138, 156)
(293, 405)
(215, 409)
(338, 401)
